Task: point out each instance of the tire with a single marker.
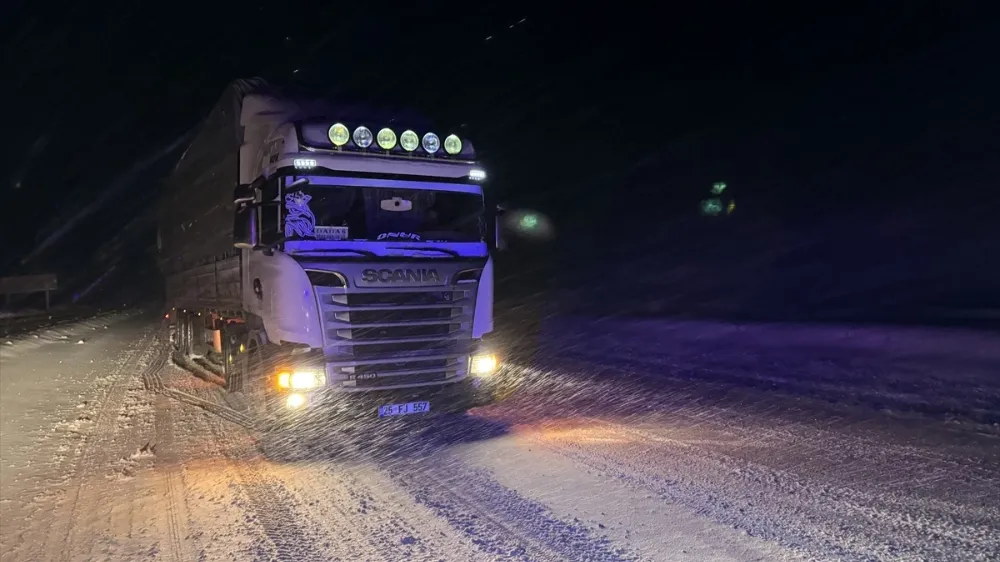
(233, 336)
(254, 380)
(185, 338)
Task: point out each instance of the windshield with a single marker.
(330, 212)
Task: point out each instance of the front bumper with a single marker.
(448, 398)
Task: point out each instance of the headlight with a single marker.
(483, 365)
(301, 380)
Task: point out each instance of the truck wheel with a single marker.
(233, 336)
(254, 380)
(185, 338)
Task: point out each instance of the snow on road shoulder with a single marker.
(98, 466)
(77, 332)
(73, 420)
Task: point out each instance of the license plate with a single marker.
(404, 409)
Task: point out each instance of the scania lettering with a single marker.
(313, 266)
(401, 275)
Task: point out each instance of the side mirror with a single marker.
(245, 231)
(498, 229)
(244, 194)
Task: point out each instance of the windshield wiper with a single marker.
(368, 253)
(451, 253)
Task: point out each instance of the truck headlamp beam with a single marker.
(301, 380)
(483, 364)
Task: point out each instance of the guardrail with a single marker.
(10, 325)
(23, 284)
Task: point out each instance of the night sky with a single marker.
(563, 105)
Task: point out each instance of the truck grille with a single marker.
(377, 338)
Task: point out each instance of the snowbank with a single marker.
(76, 332)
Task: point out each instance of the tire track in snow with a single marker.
(488, 519)
(324, 501)
(819, 517)
(99, 450)
(177, 512)
(498, 521)
(346, 502)
(273, 507)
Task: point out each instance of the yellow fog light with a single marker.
(483, 365)
(295, 401)
(301, 380)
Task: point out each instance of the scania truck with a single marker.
(318, 255)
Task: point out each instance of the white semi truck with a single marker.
(318, 256)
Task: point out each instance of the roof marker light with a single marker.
(409, 140)
(452, 144)
(386, 139)
(339, 135)
(363, 137)
(431, 143)
(477, 174)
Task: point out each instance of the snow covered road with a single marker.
(111, 452)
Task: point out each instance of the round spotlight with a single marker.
(431, 143)
(452, 144)
(386, 139)
(363, 137)
(409, 140)
(339, 135)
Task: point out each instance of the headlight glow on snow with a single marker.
(363, 136)
(301, 380)
(483, 365)
(452, 144)
(386, 138)
(339, 135)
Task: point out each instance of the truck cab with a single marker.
(369, 254)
